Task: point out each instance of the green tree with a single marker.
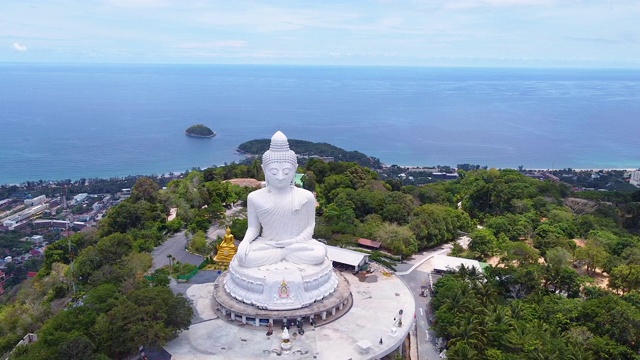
(592, 255)
(441, 193)
(515, 227)
(436, 224)
(78, 347)
(102, 298)
(332, 183)
(625, 278)
(547, 236)
(199, 244)
(309, 181)
(397, 239)
(108, 251)
(623, 328)
(319, 168)
(145, 189)
(340, 217)
(129, 215)
(396, 207)
(239, 227)
(562, 280)
(148, 316)
(558, 257)
(483, 242)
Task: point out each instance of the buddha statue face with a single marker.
(279, 175)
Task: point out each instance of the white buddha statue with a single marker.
(281, 216)
(279, 266)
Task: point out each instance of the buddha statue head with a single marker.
(279, 163)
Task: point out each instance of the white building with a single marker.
(635, 178)
(9, 224)
(36, 201)
(80, 197)
(24, 214)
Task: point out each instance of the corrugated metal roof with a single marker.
(345, 256)
(444, 263)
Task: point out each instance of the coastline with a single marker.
(169, 174)
(200, 136)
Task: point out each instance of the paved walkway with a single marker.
(421, 259)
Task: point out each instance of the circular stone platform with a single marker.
(280, 286)
(248, 314)
(373, 306)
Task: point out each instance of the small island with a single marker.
(200, 130)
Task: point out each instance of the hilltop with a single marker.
(307, 149)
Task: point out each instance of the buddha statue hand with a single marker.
(282, 243)
(243, 250)
(299, 247)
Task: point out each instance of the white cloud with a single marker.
(139, 3)
(19, 47)
(215, 44)
(468, 4)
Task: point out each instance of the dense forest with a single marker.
(563, 283)
(307, 148)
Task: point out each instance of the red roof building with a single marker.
(369, 243)
(31, 274)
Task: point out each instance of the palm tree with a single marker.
(500, 323)
(486, 294)
(461, 351)
(171, 258)
(520, 311)
(470, 332)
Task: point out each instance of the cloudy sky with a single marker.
(592, 33)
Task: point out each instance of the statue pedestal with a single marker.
(281, 286)
(285, 346)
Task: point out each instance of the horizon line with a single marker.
(634, 67)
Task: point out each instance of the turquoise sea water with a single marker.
(75, 121)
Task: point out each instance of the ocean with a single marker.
(85, 121)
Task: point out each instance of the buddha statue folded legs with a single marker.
(261, 253)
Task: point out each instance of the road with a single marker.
(174, 246)
(415, 274)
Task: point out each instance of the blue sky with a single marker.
(539, 33)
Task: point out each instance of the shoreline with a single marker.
(201, 136)
(166, 174)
